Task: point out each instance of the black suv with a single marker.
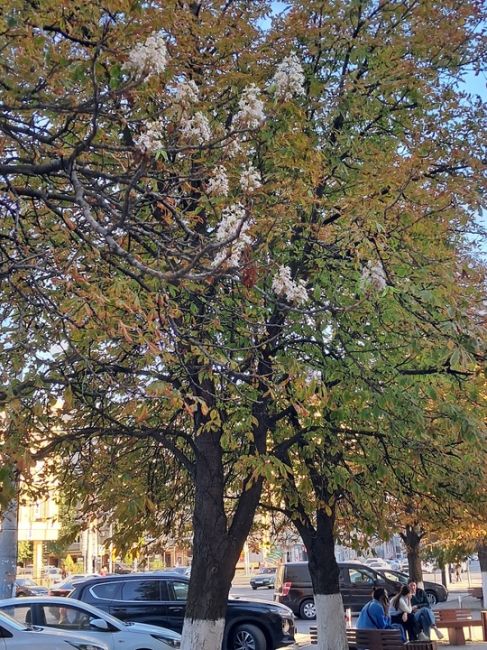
(160, 599)
(293, 586)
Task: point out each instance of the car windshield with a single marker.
(5, 618)
(395, 577)
(73, 580)
(26, 582)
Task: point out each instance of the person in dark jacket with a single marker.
(422, 610)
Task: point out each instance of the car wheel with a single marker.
(307, 610)
(248, 637)
(432, 598)
(253, 587)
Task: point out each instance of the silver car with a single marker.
(69, 614)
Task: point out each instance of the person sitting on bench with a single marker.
(422, 610)
(402, 613)
(374, 614)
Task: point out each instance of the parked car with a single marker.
(377, 563)
(395, 565)
(51, 572)
(24, 637)
(63, 588)
(435, 591)
(183, 570)
(264, 578)
(69, 614)
(121, 568)
(160, 599)
(27, 587)
(293, 586)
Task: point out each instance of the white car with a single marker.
(69, 614)
(377, 563)
(18, 636)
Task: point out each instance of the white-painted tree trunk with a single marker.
(203, 635)
(330, 622)
(483, 576)
(8, 549)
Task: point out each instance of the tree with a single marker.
(200, 209)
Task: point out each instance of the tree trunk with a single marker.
(412, 540)
(8, 549)
(482, 551)
(323, 567)
(216, 546)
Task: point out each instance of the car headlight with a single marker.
(283, 611)
(169, 640)
(82, 645)
(286, 625)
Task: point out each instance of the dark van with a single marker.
(293, 587)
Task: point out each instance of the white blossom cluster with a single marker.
(251, 114)
(151, 140)
(289, 78)
(187, 93)
(250, 179)
(233, 148)
(373, 275)
(232, 223)
(218, 183)
(283, 285)
(196, 129)
(148, 58)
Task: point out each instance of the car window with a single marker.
(21, 613)
(141, 590)
(10, 622)
(26, 582)
(297, 573)
(106, 591)
(394, 577)
(361, 577)
(66, 617)
(178, 590)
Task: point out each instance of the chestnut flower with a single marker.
(283, 285)
(218, 183)
(151, 140)
(233, 224)
(289, 78)
(187, 93)
(251, 114)
(373, 275)
(148, 58)
(196, 129)
(250, 179)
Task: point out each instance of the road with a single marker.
(266, 594)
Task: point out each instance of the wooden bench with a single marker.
(378, 640)
(455, 621)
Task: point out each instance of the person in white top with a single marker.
(401, 612)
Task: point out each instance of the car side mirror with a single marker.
(100, 624)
